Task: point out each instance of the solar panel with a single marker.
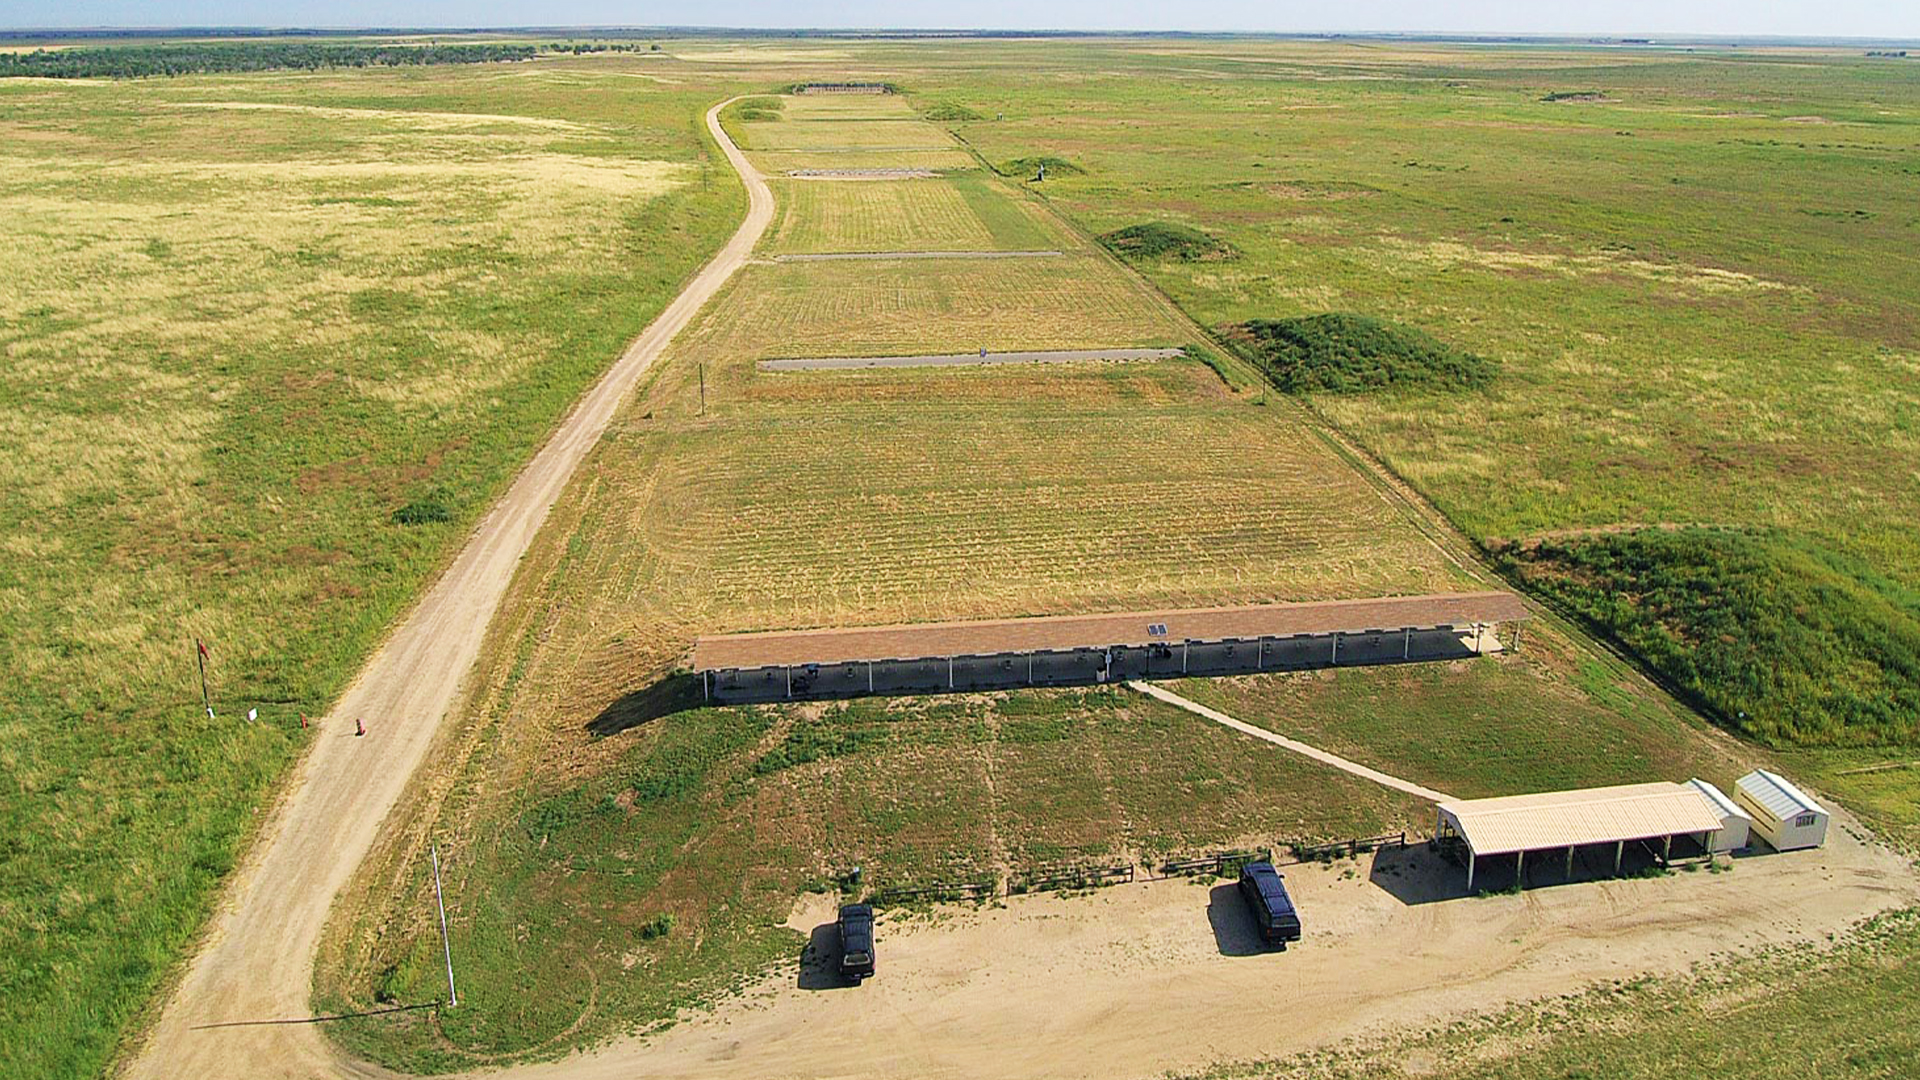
(1158, 629)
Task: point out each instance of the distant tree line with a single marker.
(199, 58)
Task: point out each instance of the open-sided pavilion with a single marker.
(1604, 821)
(1083, 649)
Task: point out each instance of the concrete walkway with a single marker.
(1059, 356)
(1301, 748)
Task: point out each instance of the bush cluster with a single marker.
(1345, 354)
(1166, 240)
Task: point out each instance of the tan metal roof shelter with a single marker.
(1133, 629)
(1547, 821)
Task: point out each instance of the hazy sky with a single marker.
(1835, 18)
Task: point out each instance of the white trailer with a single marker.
(1785, 816)
(1735, 824)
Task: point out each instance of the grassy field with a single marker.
(1700, 289)
(962, 212)
(1545, 718)
(271, 342)
(728, 498)
(1695, 285)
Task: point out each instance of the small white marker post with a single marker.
(447, 947)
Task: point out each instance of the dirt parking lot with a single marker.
(1168, 974)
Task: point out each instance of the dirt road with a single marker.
(256, 964)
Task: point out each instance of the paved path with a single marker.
(1301, 748)
(840, 256)
(1060, 356)
(256, 965)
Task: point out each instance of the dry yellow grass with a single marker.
(903, 215)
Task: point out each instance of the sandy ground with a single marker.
(1139, 979)
(1056, 356)
(229, 1016)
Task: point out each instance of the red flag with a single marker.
(201, 645)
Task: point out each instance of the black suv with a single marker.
(856, 941)
(1267, 899)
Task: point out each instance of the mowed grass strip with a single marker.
(779, 162)
(912, 307)
(874, 215)
(844, 135)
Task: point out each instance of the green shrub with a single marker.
(1786, 642)
(657, 927)
(1347, 354)
(429, 508)
(947, 110)
(1026, 167)
(1165, 240)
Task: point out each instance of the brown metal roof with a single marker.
(1557, 819)
(1060, 632)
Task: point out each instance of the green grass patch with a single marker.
(1168, 240)
(1347, 354)
(754, 109)
(1025, 168)
(1788, 643)
(940, 111)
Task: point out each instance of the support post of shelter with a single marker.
(949, 672)
(869, 676)
(1472, 861)
(789, 672)
(706, 691)
(1569, 862)
(1184, 646)
(1520, 870)
(1619, 852)
(1406, 645)
(1260, 655)
(1666, 849)
(1336, 649)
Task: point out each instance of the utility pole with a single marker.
(445, 946)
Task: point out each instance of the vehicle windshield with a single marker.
(857, 958)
